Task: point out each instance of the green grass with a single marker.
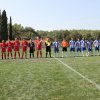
(48, 79)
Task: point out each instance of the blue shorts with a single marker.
(78, 49)
(56, 50)
(72, 49)
(83, 48)
(96, 48)
(89, 49)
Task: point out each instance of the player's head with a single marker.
(71, 38)
(30, 40)
(8, 40)
(96, 38)
(83, 38)
(3, 41)
(78, 39)
(64, 39)
(38, 38)
(16, 39)
(56, 39)
(24, 39)
(48, 39)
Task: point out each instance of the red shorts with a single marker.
(39, 48)
(9, 50)
(16, 49)
(3, 50)
(24, 49)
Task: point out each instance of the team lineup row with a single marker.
(76, 47)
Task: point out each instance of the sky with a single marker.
(54, 14)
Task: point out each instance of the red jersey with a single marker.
(16, 45)
(9, 46)
(24, 45)
(3, 47)
(38, 44)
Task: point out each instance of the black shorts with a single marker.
(64, 49)
(96, 48)
(48, 49)
(31, 51)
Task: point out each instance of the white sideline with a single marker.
(90, 81)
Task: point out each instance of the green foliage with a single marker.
(21, 32)
(87, 34)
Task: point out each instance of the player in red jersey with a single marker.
(9, 48)
(24, 48)
(16, 47)
(3, 49)
(38, 43)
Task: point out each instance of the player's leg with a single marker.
(54, 51)
(58, 52)
(11, 54)
(77, 52)
(14, 54)
(49, 52)
(30, 55)
(88, 52)
(66, 52)
(5, 55)
(94, 51)
(62, 52)
(70, 52)
(80, 52)
(83, 51)
(8, 54)
(25, 54)
(22, 54)
(73, 53)
(46, 52)
(37, 53)
(98, 51)
(2, 55)
(33, 54)
(18, 53)
(40, 53)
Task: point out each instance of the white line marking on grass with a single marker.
(90, 81)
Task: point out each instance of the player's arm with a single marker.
(51, 44)
(58, 44)
(67, 43)
(0, 45)
(45, 43)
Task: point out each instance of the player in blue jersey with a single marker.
(89, 47)
(72, 46)
(96, 45)
(56, 47)
(78, 47)
(83, 46)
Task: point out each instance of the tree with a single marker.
(0, 24)
(4, 30)
(16, 29)
(10, 29)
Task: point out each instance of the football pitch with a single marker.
(72, 78)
